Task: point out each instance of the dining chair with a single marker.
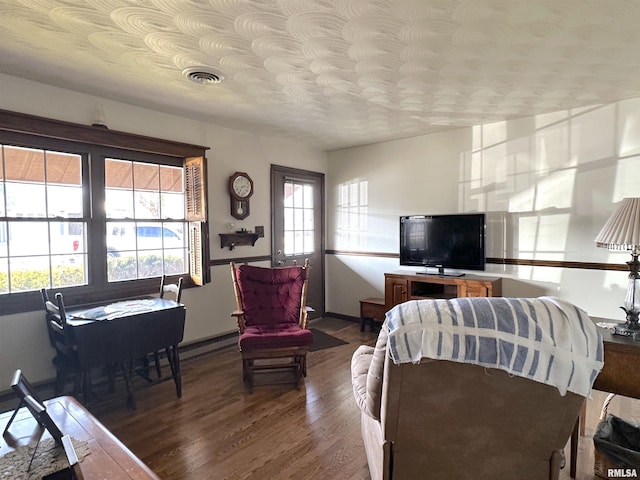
(172, 291)
(65, 362)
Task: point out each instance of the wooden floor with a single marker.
(219, 431)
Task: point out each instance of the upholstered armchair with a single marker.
(425, 416)
(272, 319)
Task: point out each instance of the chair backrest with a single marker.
(56, 319)
(270, 296)
(503, 396)
(443, 417)
(174, 289)
(55, 311)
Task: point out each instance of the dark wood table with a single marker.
(117, 333)
(619, 375)
(108, 457)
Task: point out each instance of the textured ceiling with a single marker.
(332, 73)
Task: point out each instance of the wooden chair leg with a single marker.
(85, 384)
(247, 374)
(573, 455)
(156, 359)
(131, 399)
(111, 377)
(583, 416)
(61, 377)
(174, 362)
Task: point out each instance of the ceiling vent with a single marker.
(204, 75)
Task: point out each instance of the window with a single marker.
(42, 232)
(154, 243)
(353, 214)
(298, 218)
(97, 219)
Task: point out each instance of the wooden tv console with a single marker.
(403, 286)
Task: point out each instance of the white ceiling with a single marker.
(332, 73)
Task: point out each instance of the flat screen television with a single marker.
(455, 241)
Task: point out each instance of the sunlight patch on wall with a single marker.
(548, 175)
(629, 120)
(555, 191)
(546, 119)
(523, 201)
(496, 135)
(593, 134)
(551, 148)
(626, 182)
(352, 227)
(537, 238)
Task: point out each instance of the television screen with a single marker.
(454, 241)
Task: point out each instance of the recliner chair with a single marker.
(449, 419)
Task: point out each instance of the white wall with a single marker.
(548, 184)
(23, 338)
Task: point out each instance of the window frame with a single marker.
(95, 144)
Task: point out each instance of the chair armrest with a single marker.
(367, 372)
(304, 316)
(360, 365)
(239, 314)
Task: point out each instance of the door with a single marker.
(297, 203)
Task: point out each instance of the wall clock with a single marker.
(240, 190)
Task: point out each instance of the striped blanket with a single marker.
(545, 339)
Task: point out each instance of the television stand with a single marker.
(441, 273)
(402, 286)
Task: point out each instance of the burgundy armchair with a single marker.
(272, 319)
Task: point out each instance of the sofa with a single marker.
(437, 418)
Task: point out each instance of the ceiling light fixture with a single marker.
(204, 75)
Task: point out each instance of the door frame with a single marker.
(276, 203)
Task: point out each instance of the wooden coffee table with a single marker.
(108, 457)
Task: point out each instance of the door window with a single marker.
(298, 218)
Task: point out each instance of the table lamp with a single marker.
(622, 232)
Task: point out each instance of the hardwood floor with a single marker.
(219, 431)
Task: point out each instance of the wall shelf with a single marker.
(237, 239)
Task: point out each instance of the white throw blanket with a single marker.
(545, 339)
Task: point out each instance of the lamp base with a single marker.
(630, 328)
(626, 331)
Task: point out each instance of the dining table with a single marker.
(119, 332)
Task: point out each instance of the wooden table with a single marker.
(149, 325)
(619, 375)
(109, 458)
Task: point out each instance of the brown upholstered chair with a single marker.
(454, 420)
(272, 319)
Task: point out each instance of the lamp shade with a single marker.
(622, 230)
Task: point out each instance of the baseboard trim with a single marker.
(188, 351)
(342, 316)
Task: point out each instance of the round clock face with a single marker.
(242, 186)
